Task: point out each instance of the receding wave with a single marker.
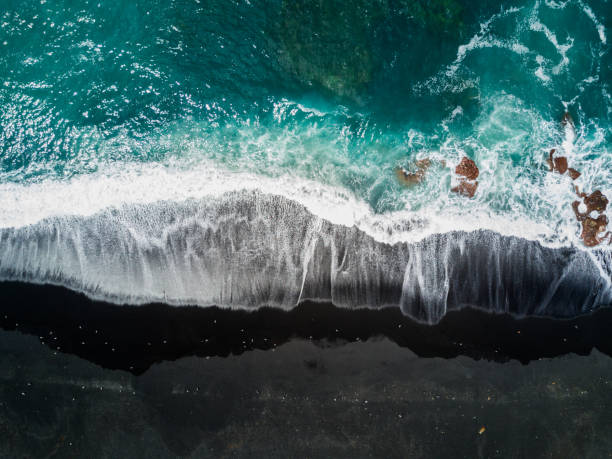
(246, 249)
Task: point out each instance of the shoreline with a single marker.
(260, 250)
(134, 338)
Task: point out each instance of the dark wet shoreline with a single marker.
(133, 338)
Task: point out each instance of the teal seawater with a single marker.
(336, 92)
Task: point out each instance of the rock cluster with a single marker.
(468, 173)
(466, 170)
(593, 227)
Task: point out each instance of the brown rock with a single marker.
(423, 164)
(561, 164)
(579, 216)
(558, 164)
(466, 188)
(573, 173)
(467, 168)
(549, 161)
(596, 201)
(412, 178)
(591, 228)
(406, 178)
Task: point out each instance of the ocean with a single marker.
(143, 144)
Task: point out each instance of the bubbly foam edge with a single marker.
(138, 184)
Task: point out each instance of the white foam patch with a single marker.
(285, 108)
(26, 204)
(562, 49)
(483, 39)
(601, 30)
(568, 139)
(540, 70)
(556, 5)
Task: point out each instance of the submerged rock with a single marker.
(328, 43)
(413, 178)
(340, 46)
(466, 188)
(468, 172)
(567, 121)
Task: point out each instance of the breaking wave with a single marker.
(245, 249)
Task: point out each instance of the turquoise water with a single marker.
(340, 94)
(110, 104)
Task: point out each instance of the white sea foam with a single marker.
(601, 30)
(556, 5)
(540, 70)
(249, 249)
(562, 49)
(483, 39)
(26, 204)
(450, 78)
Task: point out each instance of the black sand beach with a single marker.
(87, 379)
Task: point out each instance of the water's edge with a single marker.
(134, 338)
(249, 250)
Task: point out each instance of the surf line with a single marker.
(594, 226)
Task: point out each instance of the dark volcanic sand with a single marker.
(329, 396)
